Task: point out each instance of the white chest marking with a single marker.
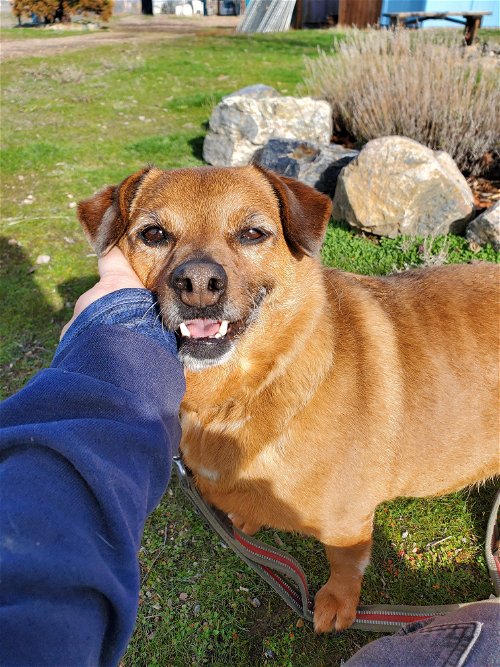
(212, 475)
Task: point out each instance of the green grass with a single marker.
(379, 256)
(73, 123)
(490, 35)
(39, 32)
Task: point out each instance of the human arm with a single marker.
(85, 454)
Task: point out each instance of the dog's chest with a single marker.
(223, 447)
(212, 445)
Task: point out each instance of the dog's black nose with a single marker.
(199, 283)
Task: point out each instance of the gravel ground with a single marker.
(131, 28)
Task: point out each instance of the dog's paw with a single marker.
(331, 612)
(242, 524)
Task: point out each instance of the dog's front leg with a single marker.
(335, 603)
(246, 526)
(235, 505)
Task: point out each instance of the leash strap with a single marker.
(493, 545)
(268, 562)
(285, 575)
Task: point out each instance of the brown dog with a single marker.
(313, 395)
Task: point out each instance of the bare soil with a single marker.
(130, 29)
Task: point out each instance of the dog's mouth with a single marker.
(201, 330)
(204, 342)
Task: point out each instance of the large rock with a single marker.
(314, 164)
(257, 90)
(486, 228)
(240, 125)
(397, 186)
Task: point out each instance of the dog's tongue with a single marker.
(203, 328)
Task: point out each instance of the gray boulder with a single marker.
(398, 186)
(314, 164)
(486, 228)
(257, 90)
(240, 125)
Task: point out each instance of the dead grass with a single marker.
(416, 84)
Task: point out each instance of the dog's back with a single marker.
(430, 340)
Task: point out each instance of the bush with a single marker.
(416, 84)
(49, 11)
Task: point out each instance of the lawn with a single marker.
(36, 32)
(75, 122)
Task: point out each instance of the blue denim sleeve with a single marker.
(134, 309)
(85, 455)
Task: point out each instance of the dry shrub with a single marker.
(415, 84)
(50, 11)
(102, 8)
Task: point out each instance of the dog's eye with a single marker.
(153, 235)
(252, 235)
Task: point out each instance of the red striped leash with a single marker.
(285, 575)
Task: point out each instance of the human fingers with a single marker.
(115, 269)
(115, 273)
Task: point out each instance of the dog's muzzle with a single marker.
(199, 283)
(207, 325)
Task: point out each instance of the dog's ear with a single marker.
(304, 211)
(104, 217)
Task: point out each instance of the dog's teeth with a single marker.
(223, 329)
(184, 330)
(217, 335)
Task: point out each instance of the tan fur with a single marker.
(345, 392)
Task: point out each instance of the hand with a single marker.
(116, 273)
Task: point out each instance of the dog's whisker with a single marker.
(153, 305)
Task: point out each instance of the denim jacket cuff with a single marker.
(132, 308)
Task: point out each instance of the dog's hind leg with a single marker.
(336, 602)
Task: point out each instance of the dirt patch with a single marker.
(127, 29)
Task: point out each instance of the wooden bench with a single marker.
(472, 21)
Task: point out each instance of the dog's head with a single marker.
(215, 244)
